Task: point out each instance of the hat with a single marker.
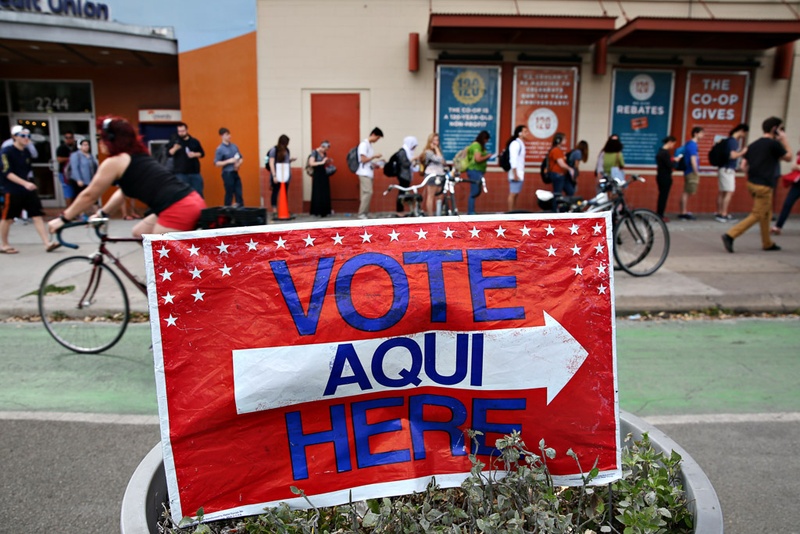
(16, 130)
(325, 144)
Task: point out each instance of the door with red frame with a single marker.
(337, 118)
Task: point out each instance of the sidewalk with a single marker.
(698, 274)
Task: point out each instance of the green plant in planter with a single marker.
(523, 499)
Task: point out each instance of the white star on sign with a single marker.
(168, 298)
(573, 230)
(578, 270)
(394, 235)
(601, 268)
(551, 251)
(501, 232)
(226, 271)
(198, 295)
(448, 234)
(597, 228)
(163, 252)
(526, 231)
(599, 248)
(309, 240)
(550, 229)
(474, 232)
(223, 248)
(576, 250)
(193, 251)
(281, 242)
(171, 320)
(251, 245)
(422, 234)
(365, 237)
(337, 239)
(166, 275)
(196, 273)
(601, 290)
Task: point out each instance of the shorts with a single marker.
(184, 214)
(17, 202)
(727, 180)
(690, 183)
(514, 186)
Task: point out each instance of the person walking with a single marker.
(791, 197)
(576, 156)
(560, 172)
(726, 175)
(318, 160)
(477, 156)
(664, 165)
(516, 157)
(279, 154)
(186, 152)
(762, 164)
(433, 162)
(691, 173)
(230, 159)
(366, 170)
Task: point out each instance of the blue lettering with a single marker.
(477, 360)
(479, 284)
(344, 300)
(298, 441)
(480, 423)
(418, 424)
(363, 431)
(407, 376)
(346, 354)
(55, 6)
(306, 323)
(69, 5)
(461, 360)
(434, 260)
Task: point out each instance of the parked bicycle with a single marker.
(641, 238)
(82, 301)
(446, 205)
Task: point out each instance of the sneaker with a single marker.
(362, 216)
(730, 218)
(720, 218)
(728, 242)
(687, 217)
(773, 247)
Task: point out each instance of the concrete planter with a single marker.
(146, 493)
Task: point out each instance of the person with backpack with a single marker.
(366, 170)
(726, 168)
(278, 154)
(691, 172)
(406, 167)
(515, 147)
(477, 156)
(576, 156)
(665, 163)
(560, 172)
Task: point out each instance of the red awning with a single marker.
(507, 30)
(706, 34)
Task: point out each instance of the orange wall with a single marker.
(218, 88)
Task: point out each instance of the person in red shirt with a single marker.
(561, 173)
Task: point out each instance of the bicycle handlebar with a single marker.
(96, 223)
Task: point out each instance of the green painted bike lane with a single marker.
(664, 368)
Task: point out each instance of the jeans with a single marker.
(791, 198)
(233, 187)
(761, 214)
(195, 181)
(474, 189)
(561, 184)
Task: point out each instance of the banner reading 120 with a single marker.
(468, 101)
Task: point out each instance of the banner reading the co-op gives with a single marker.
(350, 359)
(641, 111)
(467, 101)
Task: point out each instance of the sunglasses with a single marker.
(26, 136)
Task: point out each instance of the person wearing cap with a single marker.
(230, 159)
(20, 194)
(320, 165)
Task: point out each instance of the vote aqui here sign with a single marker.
(349, 359)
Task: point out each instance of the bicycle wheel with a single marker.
(83, 305)
(641, 242)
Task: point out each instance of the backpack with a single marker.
(681, 163)
(505, 160)
(392, 167)
(545, 169)
(353, 161)
(460, 160)
(309, 168)
(719, 155)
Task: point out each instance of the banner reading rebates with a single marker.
(349, 358)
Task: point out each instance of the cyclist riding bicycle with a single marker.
(173, 205)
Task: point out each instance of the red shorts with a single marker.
(184, 214)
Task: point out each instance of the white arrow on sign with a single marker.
(512, 359)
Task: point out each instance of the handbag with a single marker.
(790, 178)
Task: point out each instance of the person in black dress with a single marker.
(665, 164)
(320, 164)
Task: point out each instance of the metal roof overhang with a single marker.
(516, 30)
(705, 34)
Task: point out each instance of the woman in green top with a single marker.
(477, 156)
(612, 155)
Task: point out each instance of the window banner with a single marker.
(545, 101)
(717, 102)
(467, 101)
(349, 359)
(641, 111)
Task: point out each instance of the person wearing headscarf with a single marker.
(408, 166)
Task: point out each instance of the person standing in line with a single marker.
(63, 153)
(366, 171)
(318, 160)
(20, 194)
(408, 166)
(791, 197)
(664, 165)
(230, 159)
(82, 165)
(612, 156)
(560, 172)
(186, 152)
(516, 157)
(279, 154)
(691, 173)
(762, 164)
(433, 160)
(576, 156)
(477, 156)
(726, 174)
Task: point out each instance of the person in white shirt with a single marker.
(516, 156)
(367, 161)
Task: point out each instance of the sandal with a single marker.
(9, 250)
(52, 246)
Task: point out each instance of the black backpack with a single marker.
(352, 159)
(545, 169)
(392, 167)
(505, 160)
(719, 156)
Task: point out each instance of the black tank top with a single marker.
(148, 181)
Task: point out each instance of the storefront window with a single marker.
(51, 97)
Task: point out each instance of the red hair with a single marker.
(119, 136)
